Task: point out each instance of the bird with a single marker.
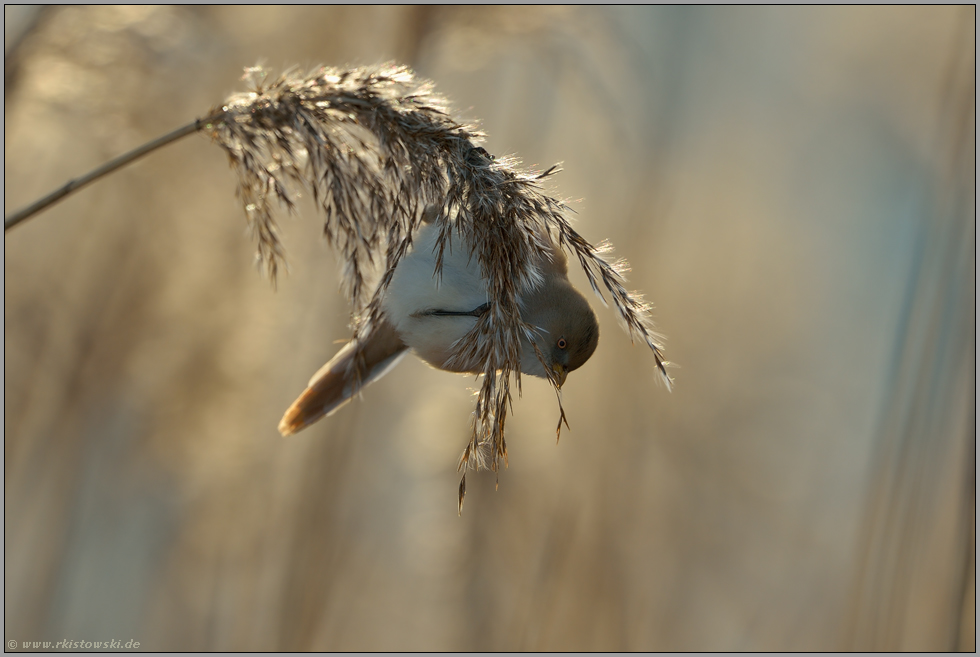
(428, 314)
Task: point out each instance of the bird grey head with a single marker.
(567, 330)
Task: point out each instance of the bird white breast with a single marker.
(416, 290)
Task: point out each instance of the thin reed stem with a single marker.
(74, 185)
(377, 150)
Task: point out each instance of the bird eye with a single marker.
(562, 343)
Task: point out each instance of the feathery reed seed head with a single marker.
(376, 147)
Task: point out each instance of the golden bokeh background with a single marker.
(795, 189)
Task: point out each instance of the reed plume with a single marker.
(376, 148)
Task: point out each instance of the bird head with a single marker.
(566, 330)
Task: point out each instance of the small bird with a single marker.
(430, 314)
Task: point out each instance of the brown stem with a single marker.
(74, 185)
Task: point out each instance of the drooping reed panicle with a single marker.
(376, 148)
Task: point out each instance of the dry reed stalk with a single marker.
(375, 147)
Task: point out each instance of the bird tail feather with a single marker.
(359, 363)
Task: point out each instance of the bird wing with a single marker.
(356, 365)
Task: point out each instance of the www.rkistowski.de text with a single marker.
(67, 644)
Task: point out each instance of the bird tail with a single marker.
(356, 365)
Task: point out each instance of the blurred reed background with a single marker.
(795, 189)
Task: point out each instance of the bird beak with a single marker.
(560, 374)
